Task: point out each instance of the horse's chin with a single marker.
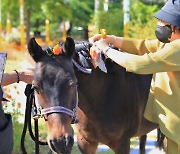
(63, 146)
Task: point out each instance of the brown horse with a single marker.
(111, 105)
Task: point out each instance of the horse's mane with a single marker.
(82, 54)
(83, 58)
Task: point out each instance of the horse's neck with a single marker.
(96, 86)
(90, 85)
(88, 82)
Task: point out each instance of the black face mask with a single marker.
(163, 33)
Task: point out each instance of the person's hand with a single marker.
(27, 75)
(99, 45)
(95, 38)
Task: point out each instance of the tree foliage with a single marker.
(10, 9)
(56, 11)
(81, 14)
(112, 21)
(142, 23)
(37, 18)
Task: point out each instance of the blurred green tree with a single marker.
(32, 11)
(56, 12)
(10, 9)
(35, 13)
(112, 20)
(142, 22)
(34, 18)
(82, 13)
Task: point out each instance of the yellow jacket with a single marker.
(163, 60)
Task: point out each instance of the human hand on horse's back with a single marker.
(110, 39)
(99, 45)
(95, 38)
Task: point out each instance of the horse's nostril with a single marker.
(53, 146)
(62, 146)
(69, 141)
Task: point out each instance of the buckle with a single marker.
(36, 114)
(75, 120)
(49, 51)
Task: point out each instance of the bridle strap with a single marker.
(43, 112)
(29, 92)
(57, 109)
(82, 69)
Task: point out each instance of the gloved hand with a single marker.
(3, 119)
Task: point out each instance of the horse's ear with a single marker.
(69, 47)
(35, 50)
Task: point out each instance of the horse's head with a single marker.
(55, 86)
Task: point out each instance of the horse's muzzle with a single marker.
(62, 146)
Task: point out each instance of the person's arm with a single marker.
(16, 76)
(135, 46)
(140, 46)
(130, 45)
(116, 56)
(110, 39)
(165, 59)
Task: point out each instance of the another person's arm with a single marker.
(13, 77)
(130, 45)
(110, 39)
(161, 60)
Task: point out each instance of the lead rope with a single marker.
(29, 92)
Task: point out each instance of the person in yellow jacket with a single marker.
(160, 57)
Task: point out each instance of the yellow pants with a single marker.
(172, 147)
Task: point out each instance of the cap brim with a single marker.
(164, 16)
